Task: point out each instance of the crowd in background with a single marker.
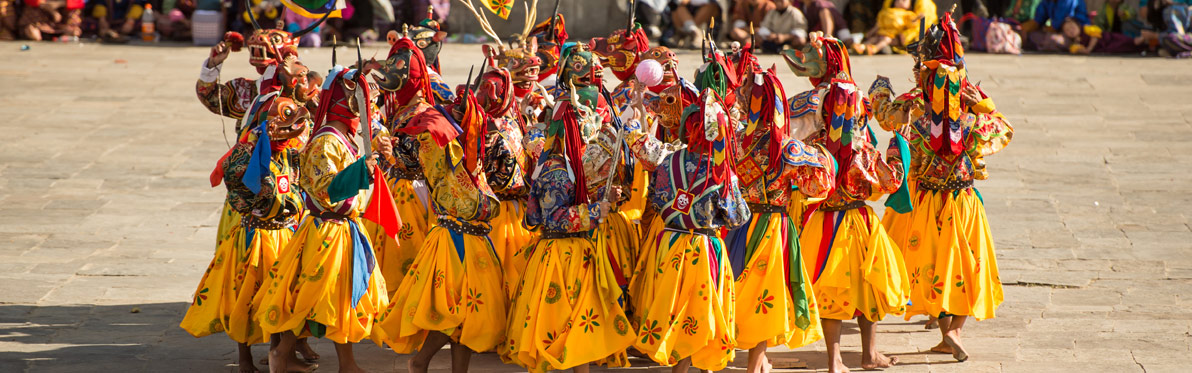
(869, 26)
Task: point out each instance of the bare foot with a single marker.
(942, 348)
(878, 361)
(414, 367)
(246, 366)
(958, 351)
(932, 324)
(838, 368)
(296, 365)
(307, 352)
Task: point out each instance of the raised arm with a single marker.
(809, 168)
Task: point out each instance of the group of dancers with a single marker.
(563, 225)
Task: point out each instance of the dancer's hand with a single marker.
(372, 161)
(971, 95)
(219, 53)
(601, 209)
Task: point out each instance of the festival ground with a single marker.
(107, 220)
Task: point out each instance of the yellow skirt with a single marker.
(639, 283)
(638, 197)
(568, 298)
(621, 239)
(768, 308)
(689, 303)
(856, 269)
(949, 255)
(394, 257)
(312, 281)
(223, 301)
(512, 241)
(462, 297)
(228, 219)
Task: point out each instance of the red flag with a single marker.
(381, 208)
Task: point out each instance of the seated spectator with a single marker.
(116, 19)
(1050, 15)
(1118, 17)
(42, 19)
(649, 14)
(1022, 10)
(860, 14)
(295, 22)
(8, 19)
(746, 13)
(1088, 39)
(1042, 31)
(897, 26)
(690, 18)
(1171, 21)
(175, 25)
(267, 12)
(782, 27)
(823, 16)
(1151, 12)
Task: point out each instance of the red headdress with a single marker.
(337, 101)
(844, 110)
(495, 94)
(410, 61)
(766, 114)
(708, 131)
(942, 80)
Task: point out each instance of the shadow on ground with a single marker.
(146, 337)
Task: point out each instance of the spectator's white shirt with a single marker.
(789, 21)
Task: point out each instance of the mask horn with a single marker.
(632, 16)
(252, 17)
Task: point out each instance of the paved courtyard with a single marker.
(107, 220)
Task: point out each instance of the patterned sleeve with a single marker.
(888, 111)
(323, 158)
(647, 149)
(803, 110)
(231, 98)
(991, 131)
(870, 168)
(552, 203)
(809, 168)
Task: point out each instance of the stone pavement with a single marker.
(107, 221)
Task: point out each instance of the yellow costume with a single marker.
(223, 301)
(410, 194)
(895, 22)
(569, 297)
(775, 303)
(946, 238)
(311, 288)
(568, 309)
(455, 284)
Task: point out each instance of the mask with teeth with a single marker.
(521, 62)
(580, 67)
